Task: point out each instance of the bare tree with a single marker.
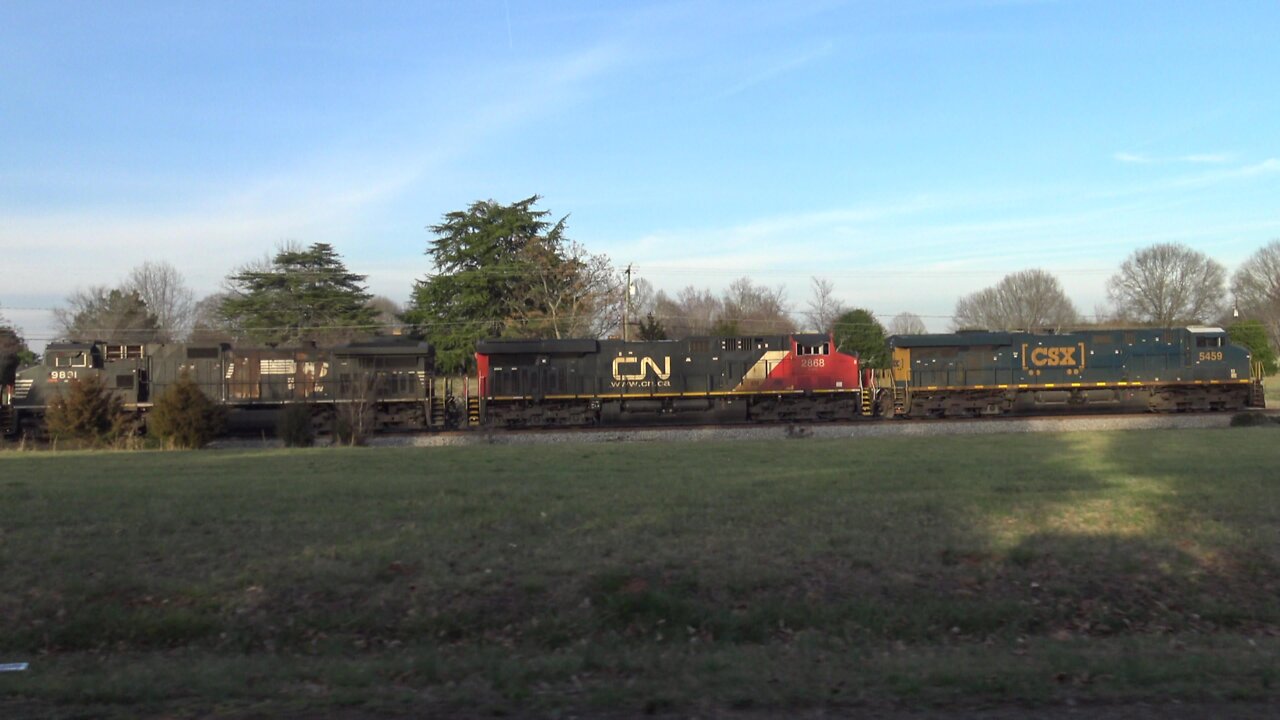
(1106, 316)
(643, 299)
(641, 304)
(1168, 284)
(743, 308)
(824, 306)
(690, 312)
(571, 293)
(1026, 300)
(906, 323)
(1256, 288)
(755, 309)
(207, 323)
(166, 295)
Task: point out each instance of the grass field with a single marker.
(780, 576)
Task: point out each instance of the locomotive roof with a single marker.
(536, 347)
(517, 346)
(987, 337)
(951, 339)
(388, 346)
(61, 346)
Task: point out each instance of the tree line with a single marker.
(511, 270)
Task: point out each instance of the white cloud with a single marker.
(921, 254)
(777, 69)
(1193, 159)
(326, 197)
(1132, 158)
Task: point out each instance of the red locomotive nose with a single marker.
(812, 364)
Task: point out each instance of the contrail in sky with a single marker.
(507, 6)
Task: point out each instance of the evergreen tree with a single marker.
(14, 352)
(119, 315)
(725, 327)
(87, 412)
(1253, 335)
(858, 331)
(651, 328)
(482, 279)
(186, 417)
(303, 294)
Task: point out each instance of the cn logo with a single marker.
(636, 369)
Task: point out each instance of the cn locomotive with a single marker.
(779, 378)
(581, 383)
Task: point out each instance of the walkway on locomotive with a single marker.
(692, 367)
(1094, 358)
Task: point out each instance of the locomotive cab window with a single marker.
(75, 360)
(823, 349)
(1206, 342)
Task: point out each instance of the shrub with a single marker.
(1250, 419)
(294, 427)
(87, 412)
(185, 417)
(353, 423)
(355, 417)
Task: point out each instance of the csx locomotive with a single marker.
(777, 378)
(993, 373)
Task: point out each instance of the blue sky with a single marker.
(909, 152)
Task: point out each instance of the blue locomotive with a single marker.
(994, 373)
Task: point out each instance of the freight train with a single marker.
(582, 383)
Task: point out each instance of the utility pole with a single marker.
(626, 304)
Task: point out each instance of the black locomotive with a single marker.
(395, 379)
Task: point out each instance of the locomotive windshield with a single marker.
(72, 359)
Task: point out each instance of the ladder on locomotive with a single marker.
(868, 397)
(898, 392)
(8, 415)
(1257, 395)
(471, 392)
(438, 404)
